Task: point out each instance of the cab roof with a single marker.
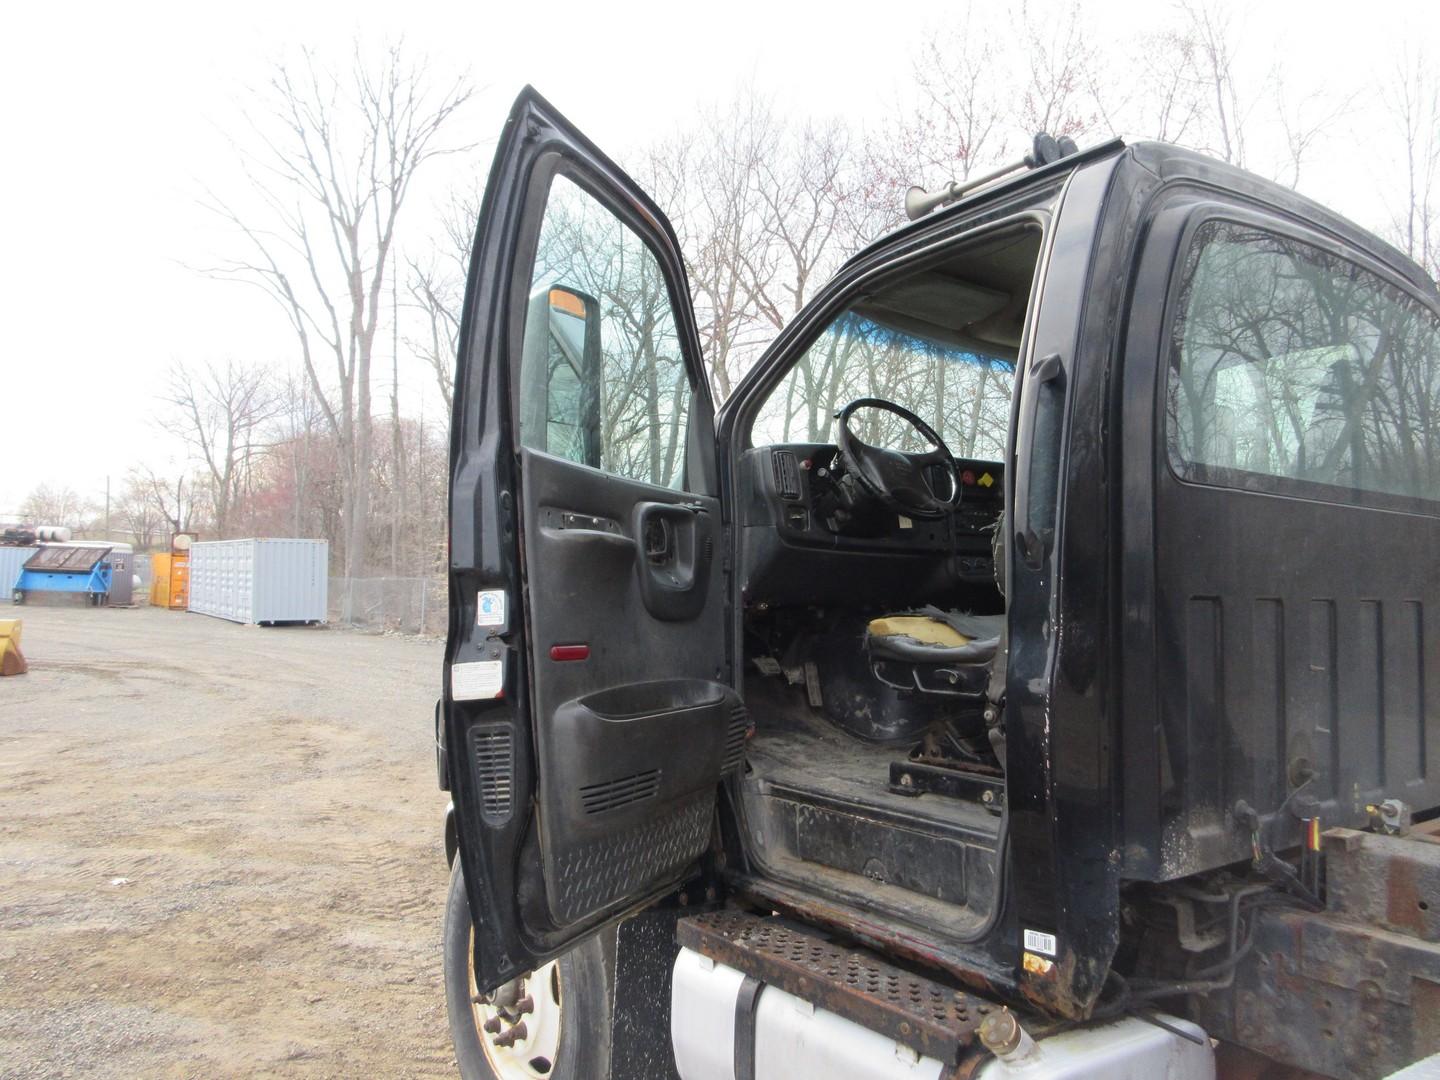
(1168, 163)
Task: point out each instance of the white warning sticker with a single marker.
(477, 680)
(490, 608)
(1039, 942)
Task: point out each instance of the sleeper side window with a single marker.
(1295, 370)
(603, 380)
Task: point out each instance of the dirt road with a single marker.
(220, 851)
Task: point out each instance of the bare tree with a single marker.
(1412, 98)
(219, 411)
(333, 161)
(1058, 65)
(707, 178)
(1157, 99)
(175, 501)
(764, 210)
(47, 505)
(137, 513)
(1212, 55)
(805, 190)
(958, 125)
(1185, 84)
(437, 289)
(982, 88)
(299, 467)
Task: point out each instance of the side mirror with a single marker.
(561, 374)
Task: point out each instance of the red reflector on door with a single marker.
(569, 652)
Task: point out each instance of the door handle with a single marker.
(674, 547)
(659, 539)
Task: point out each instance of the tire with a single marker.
(582, 1012)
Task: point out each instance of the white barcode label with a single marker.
(1035, 941)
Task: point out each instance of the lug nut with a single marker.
(525, 1005)
(511, 1037)
(492, 1026)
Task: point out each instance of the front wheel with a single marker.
(553, 1022)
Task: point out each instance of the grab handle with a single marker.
(1037, 484)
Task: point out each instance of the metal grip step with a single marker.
(934, 1020)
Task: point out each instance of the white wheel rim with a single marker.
(533, 1054)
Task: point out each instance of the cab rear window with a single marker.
(1297, 371)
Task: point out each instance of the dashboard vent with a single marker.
(787, 474)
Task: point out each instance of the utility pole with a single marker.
(107, 507)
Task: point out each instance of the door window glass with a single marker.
(603, 380)
(1289, 364)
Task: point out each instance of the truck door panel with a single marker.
(628, 760)
(588, 714)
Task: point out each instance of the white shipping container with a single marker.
(260, 580)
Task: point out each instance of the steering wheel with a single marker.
(898, 479)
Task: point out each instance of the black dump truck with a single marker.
(1033, 669)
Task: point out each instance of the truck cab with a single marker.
(1032, 661)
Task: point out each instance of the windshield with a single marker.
(963, 392)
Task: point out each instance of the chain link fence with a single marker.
(398, 604)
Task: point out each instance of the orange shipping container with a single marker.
(160, 579)
(180, 581)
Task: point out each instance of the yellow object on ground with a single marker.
(179, 581)
(12, 660)
(160, 579)
(922, 628)
(170, 584)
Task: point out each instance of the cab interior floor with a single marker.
(819, 814)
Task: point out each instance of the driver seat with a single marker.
(934, 651)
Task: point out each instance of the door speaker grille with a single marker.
(609, 794)
(492, 749)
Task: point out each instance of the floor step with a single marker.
(933, 1020)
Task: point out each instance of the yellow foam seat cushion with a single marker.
(920, 628)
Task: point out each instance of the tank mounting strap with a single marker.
(933, 1020)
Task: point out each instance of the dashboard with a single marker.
(799, 540)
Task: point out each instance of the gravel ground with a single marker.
(220, 851)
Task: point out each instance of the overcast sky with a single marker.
(117, 117)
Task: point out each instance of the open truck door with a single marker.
(588, 714)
